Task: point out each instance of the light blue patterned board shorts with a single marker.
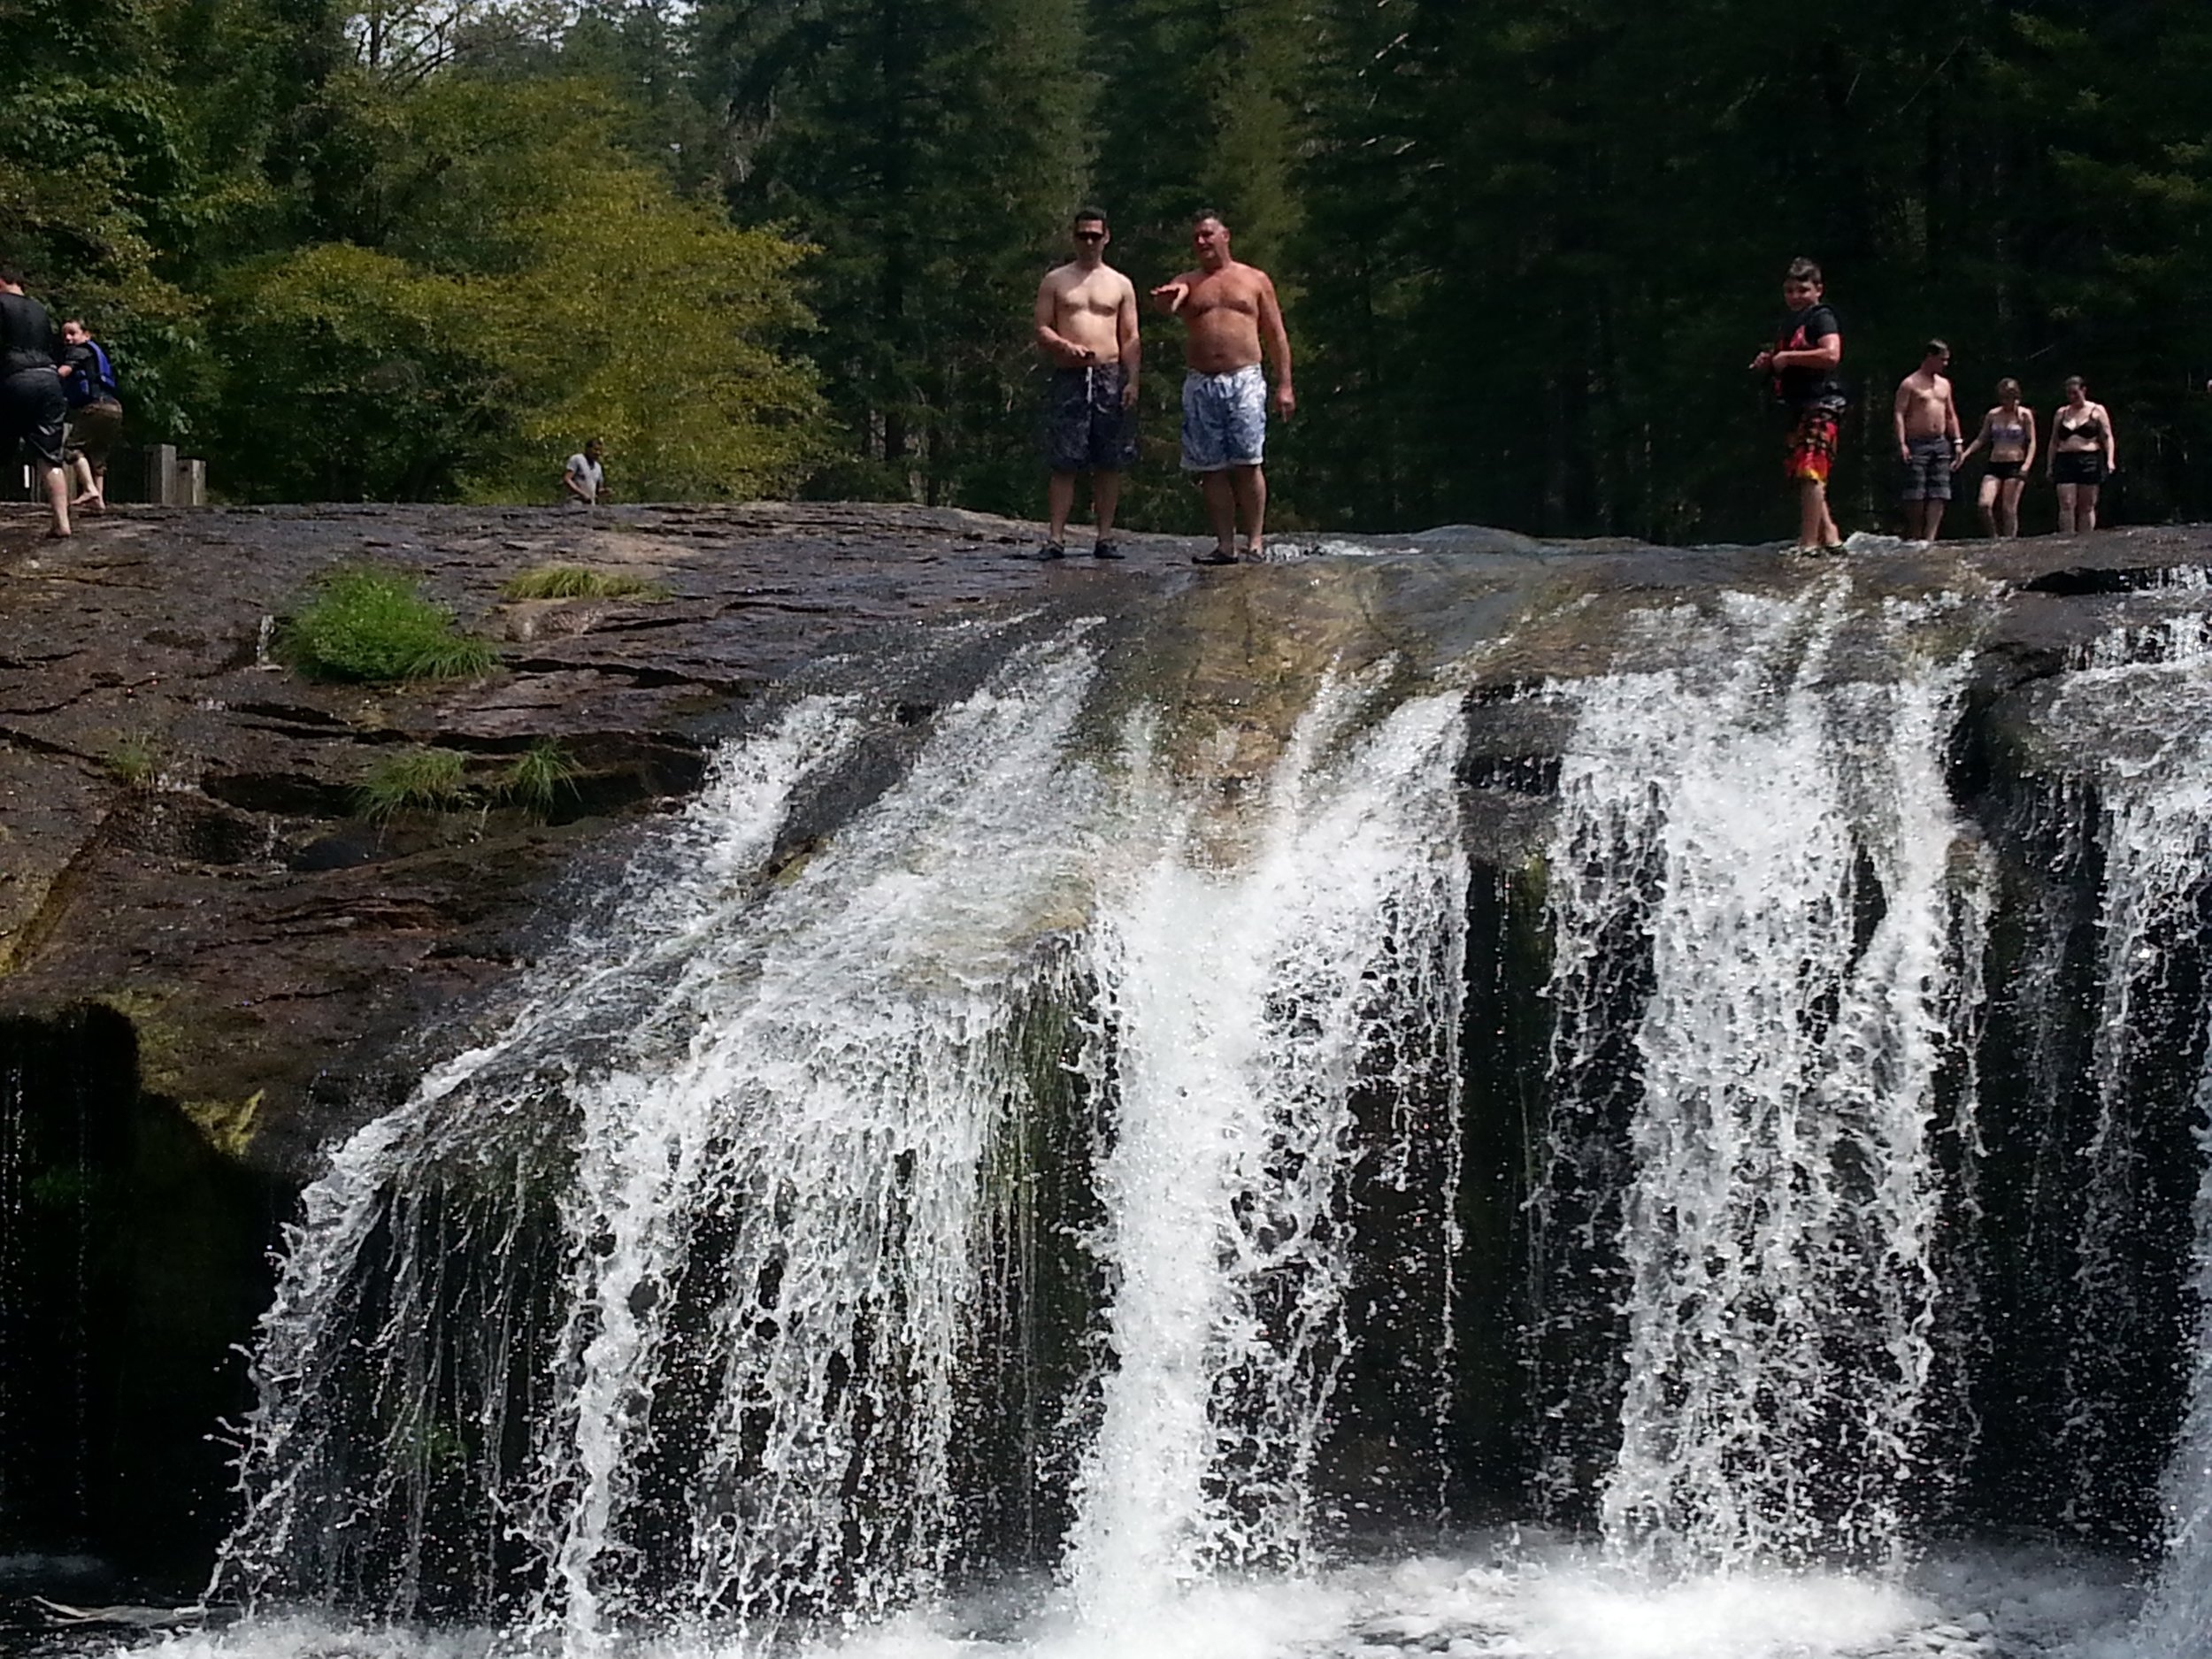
(1224, 420)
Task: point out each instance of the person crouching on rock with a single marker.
(584, 479)
(1804, 363)
(96, 412)
(32, 407)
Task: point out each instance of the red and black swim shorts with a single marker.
(1812, 451)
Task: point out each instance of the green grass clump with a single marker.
(134, 759)
(577, 582)
(414, 781)
(538, 774)
(371, 624)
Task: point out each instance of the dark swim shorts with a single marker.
(2078, 467)
(1812, 451)
(1087, 430)
(32, 409)
(1928, 470)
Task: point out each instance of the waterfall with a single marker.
(2143, 699)
(1767, 1080)
(748, 1144)
(1247, 1005)
(1027, 1217)
(669, 1303)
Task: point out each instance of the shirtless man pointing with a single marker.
(1086, 327)
(1229, 313)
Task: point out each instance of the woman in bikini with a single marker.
(2009, 434)
(2084, 453)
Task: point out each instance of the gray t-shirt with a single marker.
(587, 472)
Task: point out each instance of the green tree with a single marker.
(536, 284)
(933, 151)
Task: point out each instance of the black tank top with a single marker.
(26, 335)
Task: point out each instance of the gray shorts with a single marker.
(1224, 420)
(1928, 474)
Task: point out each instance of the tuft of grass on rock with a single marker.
(371, 624)
(579, 581)
(413, 780)
(538, 774)
(134, 759)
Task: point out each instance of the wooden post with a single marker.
(192, 482)
(161, 474)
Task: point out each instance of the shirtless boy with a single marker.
(1927, 420)
(1086, 327)
(1229, 313)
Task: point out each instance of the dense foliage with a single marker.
(1526, 246)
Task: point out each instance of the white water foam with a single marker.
(1512, 1598)
(1242, 1004)
(1778, 1225)
(2145, 693)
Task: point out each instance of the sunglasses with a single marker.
(1090, 235)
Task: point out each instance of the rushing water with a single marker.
(1030, 1222)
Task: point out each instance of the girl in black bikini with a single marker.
(2084, 453)
(2008, 431)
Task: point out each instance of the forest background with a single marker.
(1526, 247)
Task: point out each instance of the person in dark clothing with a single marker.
(31, 401)
(1804, 364)
(96, 412)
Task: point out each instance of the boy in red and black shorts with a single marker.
(1805, 363)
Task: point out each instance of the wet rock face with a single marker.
(182, 837)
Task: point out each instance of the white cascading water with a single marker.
(739, 1162)
(792, 1097)
(1245, 999)
(2143, 701)
(787, 1093)
(1782, 831)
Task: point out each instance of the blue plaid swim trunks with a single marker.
(1224, 420)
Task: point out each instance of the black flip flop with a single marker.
(1213, 555)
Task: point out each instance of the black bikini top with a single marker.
(2091, 429)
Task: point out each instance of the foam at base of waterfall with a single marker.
(1507, 1598)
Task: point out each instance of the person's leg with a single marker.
(57, 481)
(1105, 496)
(1931, 513)
(1814, 528)
(1221, 510)
(1249, 484)
(1986, 500)
(2066, 509)
(1059, 503)
(2008, 495)
(87, 486)
(2085, 507)
(100, 485)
